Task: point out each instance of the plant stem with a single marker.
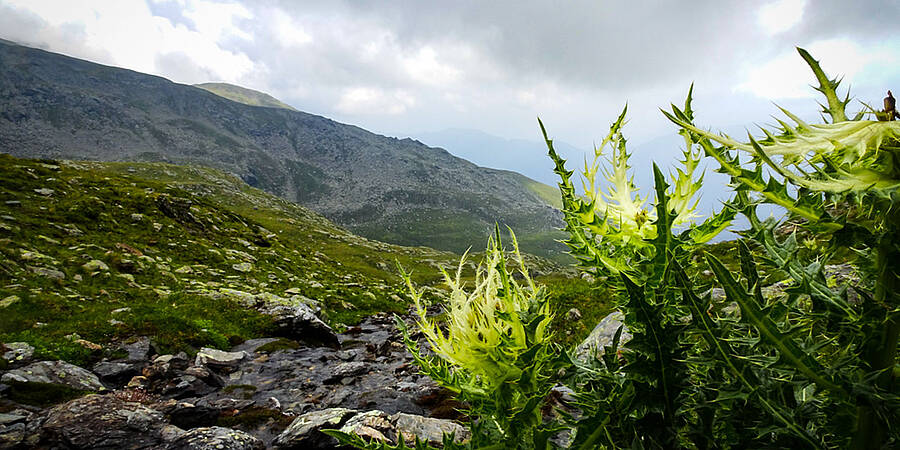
(870, 432)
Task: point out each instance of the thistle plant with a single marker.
(648, 399)
(841, 182)
(493, 348)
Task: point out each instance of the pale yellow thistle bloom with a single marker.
(484, 330)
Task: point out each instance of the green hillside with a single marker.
(244, 95)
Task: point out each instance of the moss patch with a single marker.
(43, 394)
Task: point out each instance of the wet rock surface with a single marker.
(602, 336)
(104, 421)
(216, 438)
(54, 372)
(263, 393)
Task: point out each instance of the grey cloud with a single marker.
(588, 44)
(869, 20)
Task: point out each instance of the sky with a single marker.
(407, 67)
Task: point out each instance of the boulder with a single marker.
(294, 318)
(216, 438)
(371, 425)
(299, 321)
(54, 372)
(428, 429)
(138, 351)
(602, 335)
(303, 432)
(219, 359)
(115, 373)
(104, 422)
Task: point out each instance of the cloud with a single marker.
(363, 100)
(408, 65)
(173, 10)
(780, 15)
(788, 76)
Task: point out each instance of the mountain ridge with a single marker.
(396, 190)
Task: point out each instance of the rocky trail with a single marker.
(264, 393)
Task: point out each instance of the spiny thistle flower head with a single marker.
(486, 330)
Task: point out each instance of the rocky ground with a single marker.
(266, 392)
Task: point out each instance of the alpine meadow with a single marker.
(239, 225)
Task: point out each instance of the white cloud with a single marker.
(780, 15)
(289, 32)
(788, 76)
(374, 101)
(425, 67)
(132, 37)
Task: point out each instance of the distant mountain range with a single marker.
(398, 191)
(523, 156)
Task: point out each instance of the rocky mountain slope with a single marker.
(394, 190)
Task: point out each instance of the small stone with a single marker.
(242, 267)
(218, 359)
(127, 277)
(9, 301)
(47, 272)
(95, 265)
(135, 217)
(18, 352)
(48, 240)
(347, 370)
(120, 310)
(44, 191)
(77, 277)
(573, 314)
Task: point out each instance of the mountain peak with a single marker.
(244, 95)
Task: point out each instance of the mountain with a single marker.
(398, 191)
(244, 95)
(526, 157)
